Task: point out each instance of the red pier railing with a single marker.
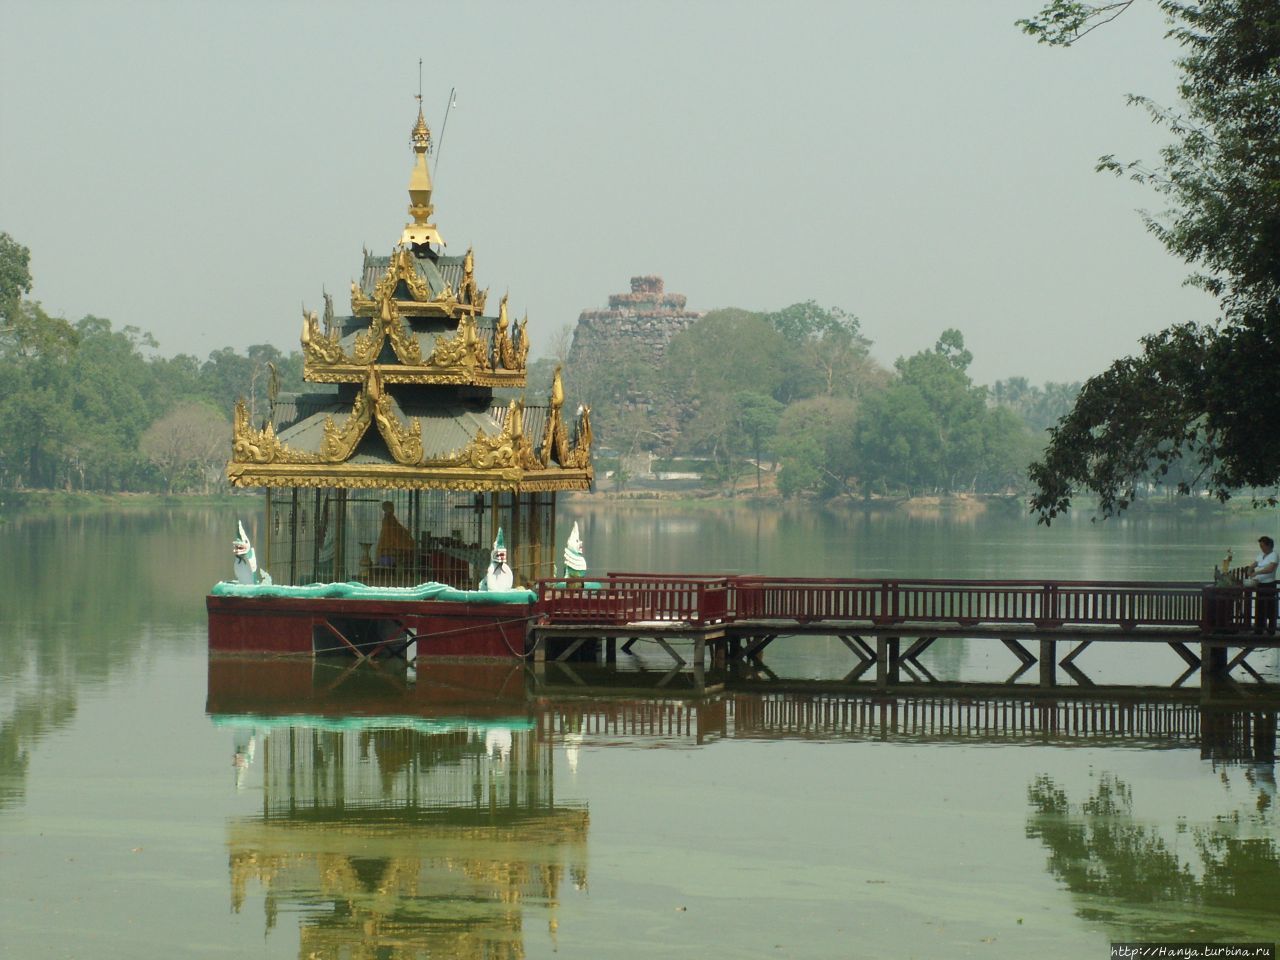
(702, 601)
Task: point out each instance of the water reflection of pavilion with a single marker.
(424, 831)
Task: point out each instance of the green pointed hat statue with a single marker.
(499, 544)
(575, 564)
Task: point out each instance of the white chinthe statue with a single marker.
(575, 564)
(499, 575)
(246, 561)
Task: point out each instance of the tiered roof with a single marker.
(415, 366)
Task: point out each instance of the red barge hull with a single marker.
(306, 626)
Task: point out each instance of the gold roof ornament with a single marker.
(421, 230)
(555, 438)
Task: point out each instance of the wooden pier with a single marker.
(888, 624)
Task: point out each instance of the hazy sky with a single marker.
(201, 170)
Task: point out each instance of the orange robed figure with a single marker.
(395, 543)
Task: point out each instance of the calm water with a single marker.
(154, 804)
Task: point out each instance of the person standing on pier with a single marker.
(1263, 571)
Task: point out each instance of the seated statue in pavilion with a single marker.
(499, 575)
(395, 543)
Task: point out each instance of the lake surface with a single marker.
(156, 804)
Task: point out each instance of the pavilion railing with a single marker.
(697, 600)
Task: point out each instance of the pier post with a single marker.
(886, 661)
(611, 650)
(1048, 663)
(1213, 662)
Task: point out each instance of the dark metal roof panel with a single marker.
(437, 273)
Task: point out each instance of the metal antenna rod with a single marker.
(444, 123)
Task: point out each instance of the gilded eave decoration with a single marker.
(468, 292)
(250, 445)
(465, 357)
(504, 459)
(464, 349)
(317, 346)
(402, 268)
(394, 477)
(510, 448)
(511, 344)
(386, 326)
(420, 300)
(555, 437)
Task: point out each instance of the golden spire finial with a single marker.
(421, 230)
(421, 135)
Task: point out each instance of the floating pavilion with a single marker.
(402, 465)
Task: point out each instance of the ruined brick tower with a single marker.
(642, 321)
(636, 328)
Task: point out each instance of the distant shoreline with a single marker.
(14, 502)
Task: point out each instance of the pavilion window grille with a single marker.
(333, 535)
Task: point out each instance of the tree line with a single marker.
(799, 389)
(89, 406)
(86, 406)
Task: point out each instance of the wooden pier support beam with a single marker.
(886, 660)
(1213, 662)
(1048, 663)
(611, 650)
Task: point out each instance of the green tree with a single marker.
(173, 380)
(815, 444)
(896, 441)
(109, 380)
(757, 420)
(710, 366)
(1008, 445)
(802, 459)
(824, 353)
(956, 409)
(1194, 390)
(35, 353)
(1039, 407)
(15, 276)
(227, 376)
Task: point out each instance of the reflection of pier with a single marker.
(974, 715)
(604, 705)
